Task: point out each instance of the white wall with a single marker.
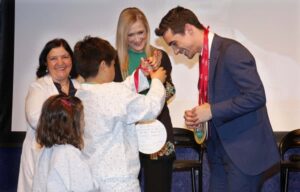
(269, 29)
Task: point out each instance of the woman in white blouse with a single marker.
(53, 77)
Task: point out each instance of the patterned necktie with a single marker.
(203, 70)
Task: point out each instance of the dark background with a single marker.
(10, 142)
(7, 17)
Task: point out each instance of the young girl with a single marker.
(60, 165)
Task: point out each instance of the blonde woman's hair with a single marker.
(127, 18)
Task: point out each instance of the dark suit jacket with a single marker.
(238, 104)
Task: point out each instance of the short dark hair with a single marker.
(60, 122)
(89, 53)
(176, 19)
(42, 68)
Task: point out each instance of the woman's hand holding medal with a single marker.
(151, 63)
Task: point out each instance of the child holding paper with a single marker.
(111, 111)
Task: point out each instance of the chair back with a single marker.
(184, 138)
(289, 141)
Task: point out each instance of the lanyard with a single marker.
(203, 70)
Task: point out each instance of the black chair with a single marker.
(290, 157)
(184, 138)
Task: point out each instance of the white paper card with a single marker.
(152, 136)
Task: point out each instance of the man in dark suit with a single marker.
(241, 144)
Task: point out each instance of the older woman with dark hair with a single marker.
(43, 68)
(53, 77)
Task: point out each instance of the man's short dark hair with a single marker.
(176, 19)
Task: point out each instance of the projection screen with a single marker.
(269, 29)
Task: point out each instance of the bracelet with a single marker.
(166, 150)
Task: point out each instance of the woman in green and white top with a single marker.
(133, 46)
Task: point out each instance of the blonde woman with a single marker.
(133, 46)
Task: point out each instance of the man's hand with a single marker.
(197, 115)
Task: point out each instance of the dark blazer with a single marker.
(238, 105)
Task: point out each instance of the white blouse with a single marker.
(62, 168)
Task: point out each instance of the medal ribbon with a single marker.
(203, 70)
(136, 76)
